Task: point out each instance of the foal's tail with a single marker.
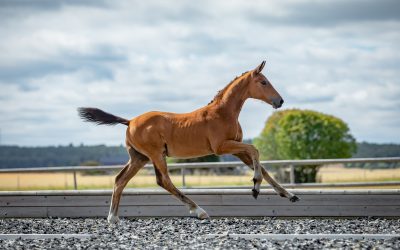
(100, 117)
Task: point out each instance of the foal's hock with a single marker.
(212, 129)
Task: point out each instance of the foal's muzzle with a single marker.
(277, 103)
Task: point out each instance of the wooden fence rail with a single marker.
(217, 202)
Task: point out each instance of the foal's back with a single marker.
(183, 135)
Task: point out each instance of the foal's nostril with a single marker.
(277, 103)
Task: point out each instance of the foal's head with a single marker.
(260, 88)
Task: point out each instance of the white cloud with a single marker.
(129, 57)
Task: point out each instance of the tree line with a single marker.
(74, 155)
(288, 134)
(70, 155)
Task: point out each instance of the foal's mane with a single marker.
(221, 92)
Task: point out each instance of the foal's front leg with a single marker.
(235, 147)
(275, 185)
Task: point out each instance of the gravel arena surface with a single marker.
(190, 233)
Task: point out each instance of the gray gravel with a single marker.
(189, 233)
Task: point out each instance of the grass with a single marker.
(65, 181)
(338, 173)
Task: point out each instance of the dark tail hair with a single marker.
(100, 117)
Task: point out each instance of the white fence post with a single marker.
(183, 170)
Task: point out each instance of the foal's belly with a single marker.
(184, 153)
(186, 147)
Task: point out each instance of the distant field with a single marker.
(338, 173)
(32, 181)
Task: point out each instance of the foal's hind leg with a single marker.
(278, 188)
(136, 162)
(163, 180)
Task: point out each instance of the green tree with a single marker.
(305, 134)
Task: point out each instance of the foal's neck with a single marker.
(234, 97)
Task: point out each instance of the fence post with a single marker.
(292, 177)
(75, 183)
(183, 170)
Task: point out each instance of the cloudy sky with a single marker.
(129, 57)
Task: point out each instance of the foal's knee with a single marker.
(253, 152)
(256, 153)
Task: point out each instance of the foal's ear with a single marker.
(259, 68)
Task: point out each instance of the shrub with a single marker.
(304, 134)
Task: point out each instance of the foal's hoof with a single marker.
(294, 198)
(255, 193)
(201, 213)
(203, 216)
(112, 219)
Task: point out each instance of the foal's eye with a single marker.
(263, 82)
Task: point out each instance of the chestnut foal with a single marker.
(213, 129)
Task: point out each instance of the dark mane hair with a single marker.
(221, 92)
